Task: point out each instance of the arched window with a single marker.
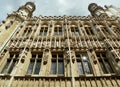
(58, 29)
(44, 30)
(74, 30)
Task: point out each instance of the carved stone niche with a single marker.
(73, 58)
(23, 59)
(46, 55)
(45, 59)
(117, 59)
(91, 49)
(94, 59)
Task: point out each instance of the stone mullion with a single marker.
(37, 42)
(75, 43)
(35, 62)
(55, 43)
(82, 64)
(41, 43)
(11, 61)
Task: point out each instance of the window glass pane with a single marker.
(11, 55)
(60, 56)
(17, 55)
(86, 63)
(55, 32)
(37, 68)
(60, 32)
(87, 31)
(30, 68)
(54, 56)
(11, 67)
(45, 32)
(72, 32)
(91, 31)
(87, 68)
(53, 67)
(85, 57)
(80, 69)
(41, 32)
(109, 67)
(78, 56)
(39, 55)
(33, 55)
(60, 68)
(5, 67)
(76, 32)
(103, 67)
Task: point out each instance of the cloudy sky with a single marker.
(54, 7)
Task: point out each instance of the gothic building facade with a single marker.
(60, 51)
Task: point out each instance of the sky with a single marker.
(54, 7)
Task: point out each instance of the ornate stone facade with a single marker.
(60, 51)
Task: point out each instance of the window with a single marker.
(27, 31)
(10, 63)
(83, 63)
(58, 31)
(75, 31)
(57, 65)
(35, 64)
(43, 31)
(116, 30)
(89, 31)
(105, 30)
(104, 63)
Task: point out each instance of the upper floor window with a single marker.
(57, 65)
(75, 31)
(58, 30)
(35, 64)
(84, 66)
(10, 63)
(43, 31)
(116, 29)
(104, 63)
(89, 30)
(105, 30)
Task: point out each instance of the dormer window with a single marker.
(30, 7)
